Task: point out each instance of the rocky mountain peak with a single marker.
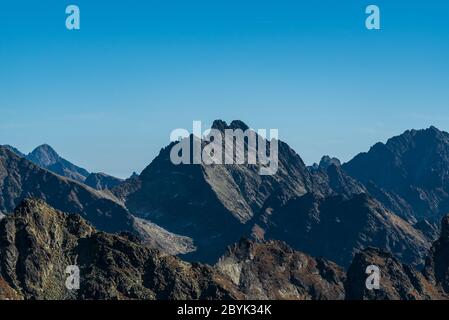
(44, 155)
(272, 270)
(327, 161)
(234, 125)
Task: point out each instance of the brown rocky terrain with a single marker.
(272, 270)
(37, 243)
(397, 281)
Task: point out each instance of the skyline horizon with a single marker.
(26, 152)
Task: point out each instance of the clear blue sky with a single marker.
(107, 96)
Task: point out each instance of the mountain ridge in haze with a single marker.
(46, 157)
(20, 178)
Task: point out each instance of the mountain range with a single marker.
(383, 206)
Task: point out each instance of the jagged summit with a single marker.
(235, 124)
(44, 156)
(327, 161)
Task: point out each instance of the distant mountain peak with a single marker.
(327, 161)
(44, 155)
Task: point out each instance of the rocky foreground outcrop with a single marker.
(399, 281)
(272, 270)
(38, 243)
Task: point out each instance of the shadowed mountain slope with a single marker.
(409, 173)
(336, 227)
(102, 181)
(19, 179)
